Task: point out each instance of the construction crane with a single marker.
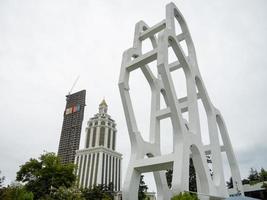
(76, 80)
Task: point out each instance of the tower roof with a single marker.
(103, 103)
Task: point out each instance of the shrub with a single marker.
(185, 196)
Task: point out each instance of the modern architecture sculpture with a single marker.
(187, 135)
(99, 163)
(72, 125)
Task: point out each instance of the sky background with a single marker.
(45, 45)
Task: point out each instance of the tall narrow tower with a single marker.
(72, 125)
(99, 163)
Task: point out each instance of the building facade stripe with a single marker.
(88, 171)
(103, 167)
(92, 171)
(96, 168)
(80, 166)
(83, 170)
(116, 174)
(97, 135)
(91, 137)
(106, 167)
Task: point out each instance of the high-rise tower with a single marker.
(99, 163)
(72, 125)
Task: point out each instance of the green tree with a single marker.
(43, 175)
(16, 192)
(185, 196)
(99, 192)
(192, 177)
(168, 174)
(263, 175)
(230, 183)
(245, 181)
(253, 176)
(142, 189)
(2, 179)
(71, 193)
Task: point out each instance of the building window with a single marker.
(102, 136)
(113, 142)
(94, 137)
(109, 137)
(103, 167)
(88, 172)
(109, 172)
(102, 122)
(83, 172)
(92, 171)
(96, 168)
(88, 138)
(80, 168)
(106, 166)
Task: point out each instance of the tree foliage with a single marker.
(2, 178)
(63, 193)
(263, 175)
(185, 196)
(253, 177)
(99, 192)
(230, 183)
(44, 174)
(168, 174)
(142, 189)
(192, 177)
(15, 192)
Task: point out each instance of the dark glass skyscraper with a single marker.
(72, 125)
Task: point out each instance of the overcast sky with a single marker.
(45, 45)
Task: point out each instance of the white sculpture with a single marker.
(187, 139)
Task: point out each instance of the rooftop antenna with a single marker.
(76, 80)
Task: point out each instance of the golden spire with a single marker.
(103, 103)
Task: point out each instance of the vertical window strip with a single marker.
(94, 137)
(96, 169)
(113, 142)
(88, 170)
(80, 169)
(83, 173)
(88, 138)
(103, 167)
(76, 163)
(113, 170)
(119, 174)
(109, 175)
(106, 174)
(92, 171)
(109, 137)
(116, 174)
(102, 136)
